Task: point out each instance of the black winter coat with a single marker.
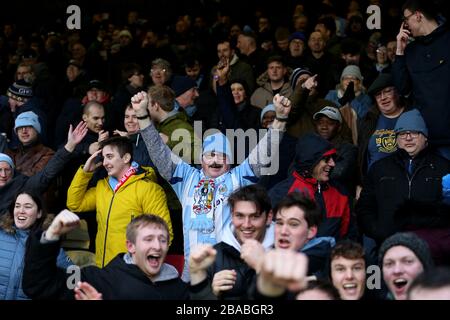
(118, 280)
(227, 258)
(387, 187)
(424, 71)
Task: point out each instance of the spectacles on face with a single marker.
(24, 128)
(157, 71)
(412, 134)
(211, 155)
(385, 92)
(406, 18)
(329, 157)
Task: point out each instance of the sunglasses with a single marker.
(329, 157)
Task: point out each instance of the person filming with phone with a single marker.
(421, 68)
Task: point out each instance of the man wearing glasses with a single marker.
(403, 192)
(422, 68)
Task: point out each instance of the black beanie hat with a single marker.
(410, 241)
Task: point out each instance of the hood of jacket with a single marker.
(309, 150)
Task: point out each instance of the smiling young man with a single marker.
(138, 274)
(296, 221)
(220, 271)
(204, 193)
(403, 257)
(348, 270)
(127, 192)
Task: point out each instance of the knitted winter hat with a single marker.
(28, 119)
(269, 107)
(410, 241)
(4, 157)
(352, 71)
(181, 84)
(217, 142)
(297, 35)
(296, 74)
(411, 121)
(20, 90)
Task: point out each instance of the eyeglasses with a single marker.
(211, 155)
(329, 157)
(157, 70)
(412, 134)
(406, 18)
(385, 92)
(24, 128)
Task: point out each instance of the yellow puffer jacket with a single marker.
(138, 195)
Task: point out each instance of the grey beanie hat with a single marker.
(411, 121)
(352, 71)
(410, 241)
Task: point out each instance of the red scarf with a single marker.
(130, 172)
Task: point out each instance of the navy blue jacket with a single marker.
(424, 71)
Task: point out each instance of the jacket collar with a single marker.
(166, 273)
(441, 29)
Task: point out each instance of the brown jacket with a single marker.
(31, 160)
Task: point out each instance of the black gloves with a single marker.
(349, 94)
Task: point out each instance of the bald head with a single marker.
(94, 116)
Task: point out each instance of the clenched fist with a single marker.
(64, 222)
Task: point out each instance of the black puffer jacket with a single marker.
(42, 279)
(387, 187)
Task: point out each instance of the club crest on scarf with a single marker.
(203, 205)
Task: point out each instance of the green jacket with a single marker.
(177, 139)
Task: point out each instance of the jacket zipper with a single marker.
(412, 177)
(107, 219)
(106, 230)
